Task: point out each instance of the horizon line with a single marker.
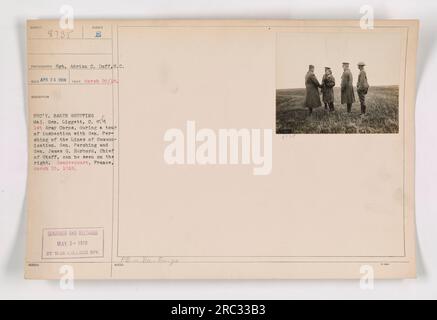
(382, 85)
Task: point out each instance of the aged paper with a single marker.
(221, 149)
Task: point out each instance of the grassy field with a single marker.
(382, 113)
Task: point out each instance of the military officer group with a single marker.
(312, 96)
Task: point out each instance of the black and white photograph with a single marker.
(338, 82)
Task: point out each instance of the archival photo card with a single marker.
(221, 149)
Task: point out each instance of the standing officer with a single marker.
(312, 96)
(347, 88)
(328, 83)
(362, 87)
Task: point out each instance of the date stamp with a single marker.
(73, 243)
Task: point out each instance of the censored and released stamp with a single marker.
(73, 243)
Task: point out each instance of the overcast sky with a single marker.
(381, 51)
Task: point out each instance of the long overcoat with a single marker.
(312, 96)
(328, 84)
(347, 88)
(362, 84)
